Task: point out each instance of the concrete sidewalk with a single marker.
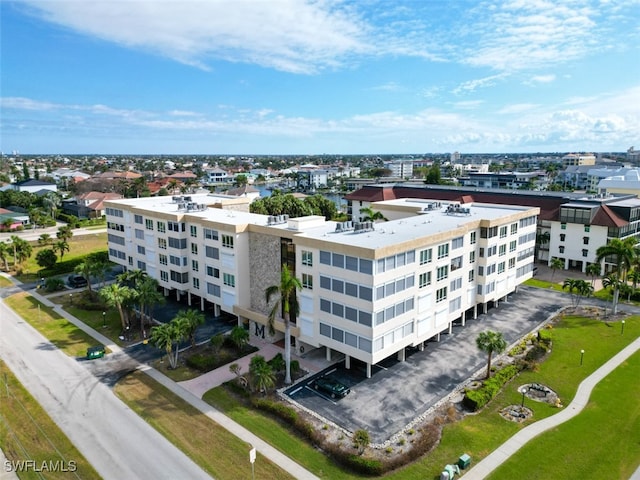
(487, 465)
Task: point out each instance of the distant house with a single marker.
(33, 186)
(216, 175)
(246, 191)
(88, 205)
(12, 220)
(183, 176)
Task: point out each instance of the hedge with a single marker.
(476, 399)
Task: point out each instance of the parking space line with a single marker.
(295, 391)
(320, 394)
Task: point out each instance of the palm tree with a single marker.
(115, 295)
(542, 238)
(578, 289)
(371, 215)
(623, 253)
(44, 239)
(64, 233)
(593, 270)
(147, 296)
(555, 264)
(634, 276)
(4, 255)
(240, 337)
(165, 336)
(287, 304)
(61, 246)
(51, 201)
(192, 319)
(262, 375)
(490, 342)
(87, 268)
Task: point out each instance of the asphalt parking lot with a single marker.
(398, 392)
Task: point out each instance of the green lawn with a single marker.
(26, 427)
(534, 282)
(59, 331)
(602, 442)
(480, 434)
(218, 452)
(5, 282)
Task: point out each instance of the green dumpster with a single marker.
(95, 352)
(464, 461)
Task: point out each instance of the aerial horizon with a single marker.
(318, 78)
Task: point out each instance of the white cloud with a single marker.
(536, 79)
(473, 85)
(516, 108)
(21, 103)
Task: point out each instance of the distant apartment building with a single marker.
(633, 155)
(216, 175)
(400, 168)
(369, 290)
(578, 159)
(508, 180)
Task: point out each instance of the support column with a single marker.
(496, 303)
(402, 355)
(450, 328)
(178, 295)
(438, 337)
(475, 311)
(421, 346)
(328, 354)
(165, 291)
(202, 304)
(368, 370)
(484, 307)
(463, 318)
(216, 310)
(189, 298)
(347, 362)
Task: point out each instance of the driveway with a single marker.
(398, 392)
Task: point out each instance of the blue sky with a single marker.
(314, 77)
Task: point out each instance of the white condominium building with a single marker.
(369, 289)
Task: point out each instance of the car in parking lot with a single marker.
(77, 281)
(331, 386)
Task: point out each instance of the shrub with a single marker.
(476, 399)
(277, 363)
(202, 363)
(545, 337)
(294, 366)
(53, 284)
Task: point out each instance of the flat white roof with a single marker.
(383, 234)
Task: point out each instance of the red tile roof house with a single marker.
(89, 205)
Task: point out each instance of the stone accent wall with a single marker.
(265, 267)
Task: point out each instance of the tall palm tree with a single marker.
(262, 375)
(623, 253)
(61, 246)
(147, 296)
(51, 202)
(192, 319)
(44, 239)
(168, 336)
(634, 276)
(578, 289)
(115, 295)
(287, 304)
(555, 264)
(64, 233)
(490, 342)
(4, 255)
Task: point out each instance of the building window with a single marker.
(307, 281)
(513, 245)
(443, 272)
(472, 238)
(503, 232)
(139, 234)
(307, 258)
(227, 241)
(514, 228)
(425, 256)
(585, 252)
(443, 250)
(161, 227)
(194, 265)
(502, 251)
(472, 257)
(456, 263)
(563, 226)
(455, 284)
(138, 219)
(194, 248)
(212, 252)
(587, 228)
(561, 248)
(164, 276)
(512, 263)
(131, 261)
(162, 243)
(229, 280)
(441, 294)
(424, 279)
(148, 223)
(196, 283)
(457, 243)
(141, 250)
(585, 240)
(501, 267)
(471, 275)
(562, 237)
(142, 266)
(163, 259)
(210, 234)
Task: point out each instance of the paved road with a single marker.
(32, 235)
(114, 439)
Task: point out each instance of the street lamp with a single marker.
(104, 314)
(622, 328)
(71, 299)
(581, 356)
(523, 390)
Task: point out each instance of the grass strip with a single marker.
(217, 451)
(28, 433)
(5, 282)
(602, 442)
(58, 330)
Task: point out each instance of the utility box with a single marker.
(95, 352)
(464, 461)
